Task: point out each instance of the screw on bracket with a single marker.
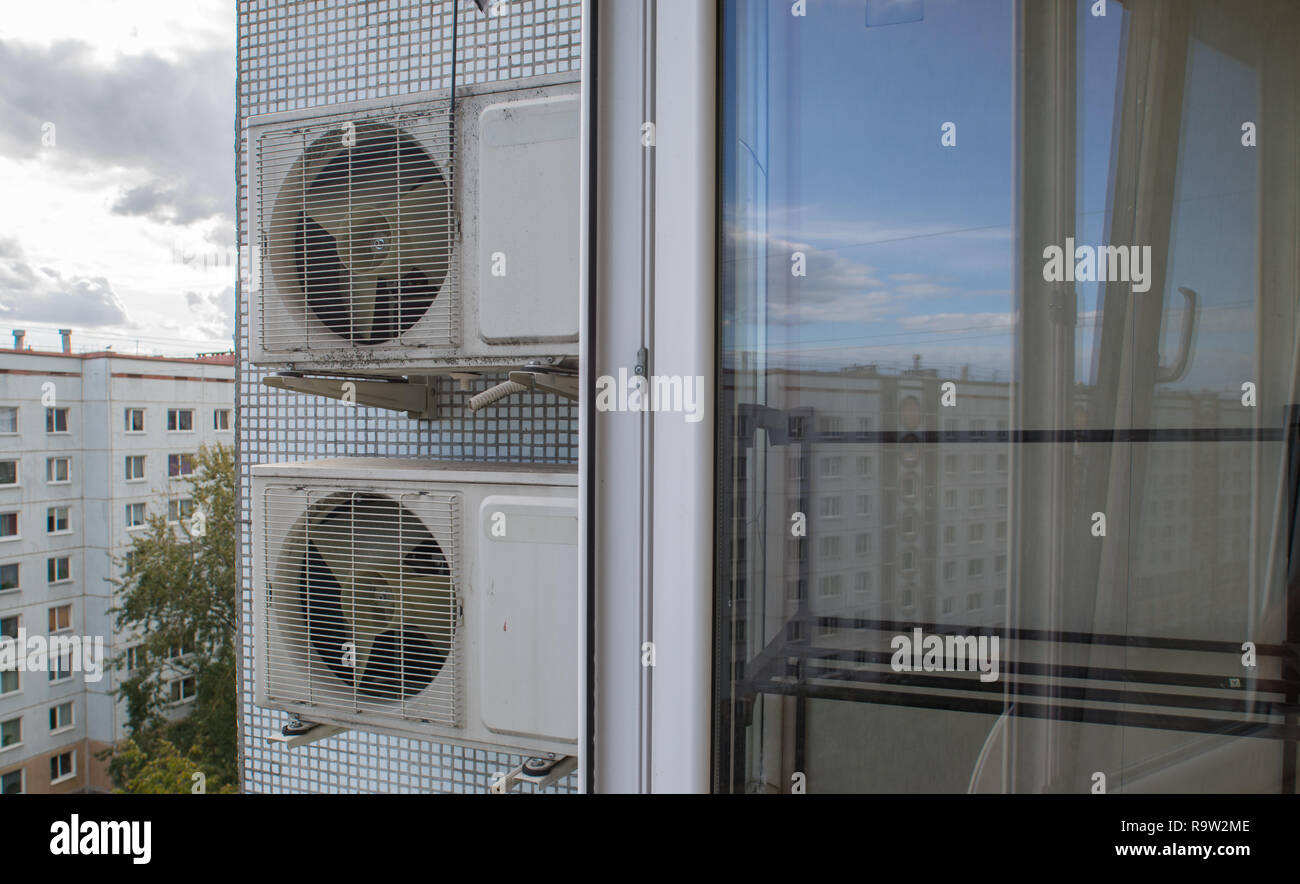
(642, 359)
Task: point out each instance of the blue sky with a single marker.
(910, 244)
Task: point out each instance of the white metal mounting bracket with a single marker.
(541, 771)
(414, 394)
(300, 733)
(547, 381)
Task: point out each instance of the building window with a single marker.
(908, 486)
(60, 669)
(11, 783)
(949, 571)
(830, 547)
(977, 498)
(947, 606)
(180, 420)
(57, 520)
(58, 569)
(61, 716)
(134, 467)
(60, 618)
(974, 601)
(828, 587)
(9, 627)
(183, 507)
(1001, 531)
(180, 465)
(56, 420)
(1000, 564)
(864, 504)
(135, 515)
(978, 462)
(183, 689)
(866, 467)
(9, 682)
(862, 545)
(862, 583)
(8, 419)
(221, 419)
(950, 499)
(8, 472)
(976, 532)
(136, 656)
(975, 568)
(831, 468)
(134, 418)
(949, 534)
(950, 464)
(8, 577)
(830, 426)
(1002, 498)
(63, 767)
(8, 524)
(830, 507)
(58, 470)
(11, 732)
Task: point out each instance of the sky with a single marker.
(117, 167)
(910, 246)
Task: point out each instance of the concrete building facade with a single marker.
(91, 445)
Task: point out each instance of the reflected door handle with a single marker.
(1168, 373)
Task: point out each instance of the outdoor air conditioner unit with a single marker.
(427, 599)
(418, 235)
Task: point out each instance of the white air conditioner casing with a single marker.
(428, 599)
(385, 241)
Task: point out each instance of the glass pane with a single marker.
(1008, 375)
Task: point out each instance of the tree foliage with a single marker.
(164, 772)
(177, 593)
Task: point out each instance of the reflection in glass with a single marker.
(921, 429)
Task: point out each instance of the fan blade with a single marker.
(407, 629)
(331, 537)
(378, 598)
(369, 621)
(401, 664)
(424, 233)
(327, 199)
(364, 291)
(428, 593)
(325, 625)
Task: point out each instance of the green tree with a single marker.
(177, 591)
(165, 772)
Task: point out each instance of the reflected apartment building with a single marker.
(907, 500)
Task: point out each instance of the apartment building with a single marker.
(91, 445)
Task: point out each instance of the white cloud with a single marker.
(37, 293)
